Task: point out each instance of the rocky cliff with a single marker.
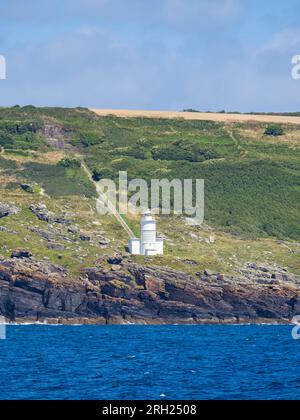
(118, 290)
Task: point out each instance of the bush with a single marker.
(274, 130)
(90, 138)
(70, 163)
(190, 110)
(183, 150)
(97, 175)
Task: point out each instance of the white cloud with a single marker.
(284, 41)
(163, 54)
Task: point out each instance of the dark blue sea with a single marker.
(145, 362)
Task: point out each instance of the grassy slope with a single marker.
(252, 184)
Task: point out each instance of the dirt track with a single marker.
(198, 116)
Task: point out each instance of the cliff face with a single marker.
(121, 291)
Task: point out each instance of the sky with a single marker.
(232, 55)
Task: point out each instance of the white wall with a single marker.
(160, 246)
(134, 246)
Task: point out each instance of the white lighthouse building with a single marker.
(149, 244)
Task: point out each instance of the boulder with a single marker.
(85, 237)
(8, 210)
(27, 188)
(42, 213)
(115, 260)
(210, 273)
(21, 253)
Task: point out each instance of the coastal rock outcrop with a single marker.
(56, 136)
(127, 292)
(8, 210)
(42, 213)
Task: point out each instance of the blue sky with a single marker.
(151, 54)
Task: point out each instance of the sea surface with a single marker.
(149, 362)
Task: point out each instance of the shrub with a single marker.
(90, 138)
(70, 163)
(183, 150)
(274, 130)
(190, 110)
(97, 175)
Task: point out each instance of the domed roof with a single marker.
(147, 217)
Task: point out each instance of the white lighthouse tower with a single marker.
(149, 244)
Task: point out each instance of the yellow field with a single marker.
(198, 116)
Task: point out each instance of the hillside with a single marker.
(252, 196)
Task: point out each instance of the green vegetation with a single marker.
(30, 189)
(252, 179)
(20, 134)
(182, 150)
(190, 110)
(69, 163)
(7, 164)
(274, 130)
(58, 180)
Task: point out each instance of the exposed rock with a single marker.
(194, 236)
(210, 273)
(8, 210)
(21, 253)
(116, 268)
(55, 246)
(115, 260)
(50, 234)
(268, 273)
(104, 242)
(279, 276)
(31, 290)
(191, 262)
(253, 266)
(73, 229)
(42, 213)
(27, 188)
(7, 230)
(57, 136)
(85, 237)
(264, 269)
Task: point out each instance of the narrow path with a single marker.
(242, 151)
(111, 207)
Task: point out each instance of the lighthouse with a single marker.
(148, 244)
